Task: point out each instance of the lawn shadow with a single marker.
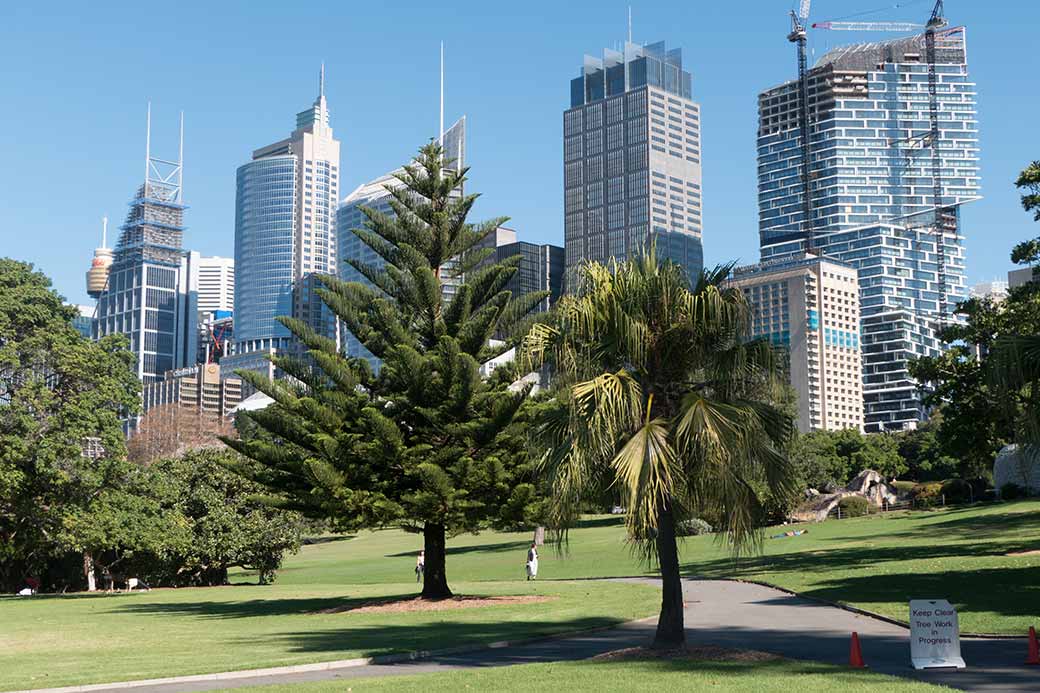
(311, 541)
(254, 608)
(476, 548)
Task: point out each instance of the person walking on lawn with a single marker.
(532, 562)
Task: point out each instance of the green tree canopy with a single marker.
(62, 450)
(426, 443)
(660, 395)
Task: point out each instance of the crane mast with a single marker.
(937, 21)
(797, 36)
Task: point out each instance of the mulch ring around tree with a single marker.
(705, 653)
(418, 604)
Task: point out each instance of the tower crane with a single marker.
(797, 36)
(943, 218)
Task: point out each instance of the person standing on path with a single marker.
(532, 562)
(420, 566)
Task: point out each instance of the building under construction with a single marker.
(893, 154)
(151, 289)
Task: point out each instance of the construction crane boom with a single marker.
(868, 26)
(797, 36)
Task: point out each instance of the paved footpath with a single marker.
(730, 614)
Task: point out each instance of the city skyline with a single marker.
(377, 137)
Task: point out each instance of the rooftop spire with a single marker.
(104, 232)
(321, 82)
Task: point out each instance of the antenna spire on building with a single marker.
(104, 232)
(321, 81)
(630, 24)
(147, 146)
(440, 130)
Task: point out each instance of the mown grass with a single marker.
(650, 676)
(877, 562)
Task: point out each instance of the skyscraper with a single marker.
(285, 234)
(216, 284)
(632, 158)
(150, 294)
(872, 195)
(810, 306)
(540, 268)
(375, 195)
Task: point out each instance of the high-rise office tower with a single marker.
(151, 288)
(872, 195)
(216, 284)
(376, 195)
(540, 268)
(632, 159)
(285, 235)
(810, 306)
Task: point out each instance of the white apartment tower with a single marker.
(216, 284)
(809, 306)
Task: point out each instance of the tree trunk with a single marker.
(88, 571)
(671, 633)
(539, 536)
(435, 579)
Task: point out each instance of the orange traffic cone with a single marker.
(1034, 648)
(855, 655)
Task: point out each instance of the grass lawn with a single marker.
(651, 676)
(881, 562)
(877, 563)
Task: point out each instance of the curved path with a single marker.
(730, 614)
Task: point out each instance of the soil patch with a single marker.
(417, 604)
(707, 653)
(1034, 552)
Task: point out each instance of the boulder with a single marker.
(872, 486)
(1013, 467)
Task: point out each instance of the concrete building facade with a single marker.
(809, 306)
(198, 388)
(632, 159)
(216, 284)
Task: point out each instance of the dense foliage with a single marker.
(62, 456)
(660, 395)
(427, 443)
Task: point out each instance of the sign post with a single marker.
(935, 636)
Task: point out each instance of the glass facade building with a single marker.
(152, 290)
(632, 159)
(872, 195)
(285, 237)
(265, 220)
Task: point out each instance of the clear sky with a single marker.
(76, 77)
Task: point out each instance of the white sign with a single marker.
(935, 636)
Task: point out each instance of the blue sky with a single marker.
(77, 77)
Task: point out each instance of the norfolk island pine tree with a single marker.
(660, 394)
(426, 443)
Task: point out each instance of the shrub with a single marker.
(855, 506)
(1011, 491)
(957, 491)
(693, 528)
(902, 488)
(927, 495)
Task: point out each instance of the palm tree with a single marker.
(660, 394)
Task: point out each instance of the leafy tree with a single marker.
(659, 395)
(216, 523)
(426, 443)
(815, 459)
(924, 454)
(62, 454)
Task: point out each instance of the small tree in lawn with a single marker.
(427, 443)
(661, 396)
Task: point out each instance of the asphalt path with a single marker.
(718, 612)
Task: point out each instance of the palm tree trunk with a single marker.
(435, 579)
(670, 629)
